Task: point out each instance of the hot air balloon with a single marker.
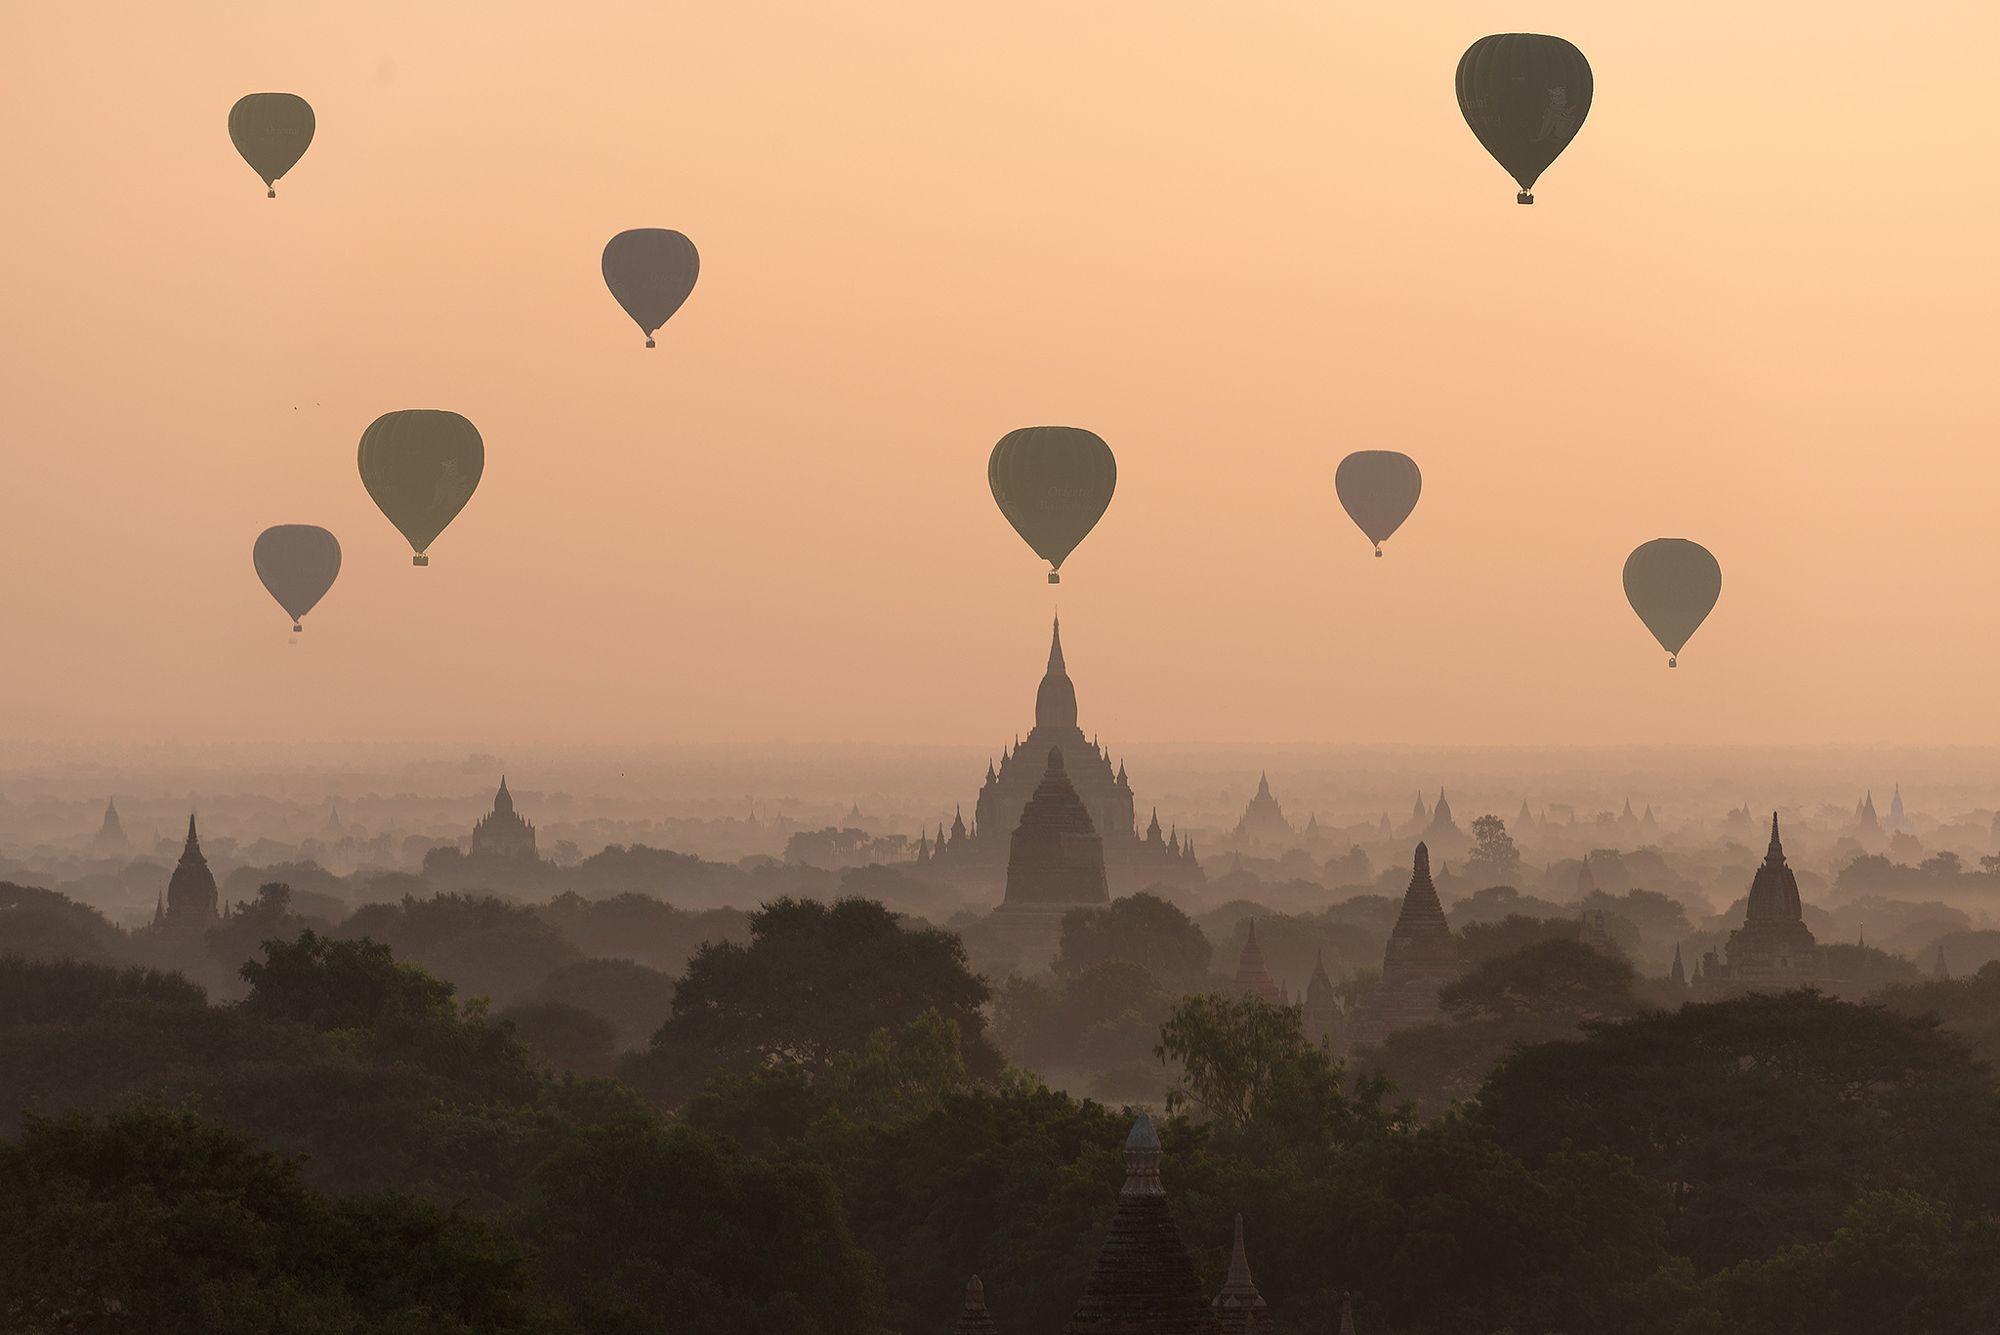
(421, 466)
(1053, 483)
(297, 563)
(1672, 584)
(1525, 96)
(271, 131)
(651, 271)
(1378, 489)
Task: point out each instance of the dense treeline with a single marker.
(818, 1135)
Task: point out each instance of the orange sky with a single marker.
(1754, 306)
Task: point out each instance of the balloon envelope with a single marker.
(1672, 584)
(271, 131)
(421, 466)
(1525, 96)
(651, 271)
(1053, 483)
(1378, 489)
(298, 563)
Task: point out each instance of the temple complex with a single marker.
(1144, 1281)
(978, 854)
(1239, 1308)
(502, 832)
(191, 903)
(1264, 827)
(1773, 949)
(110, 837)
(1422, 956)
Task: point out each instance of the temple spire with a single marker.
(193, 844)
(1239, 1308)
(1347, 1314)
(973, 1318)
(1775, 854)
(1142, 1160)
(1055, 699)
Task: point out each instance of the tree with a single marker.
(1560, 980)
(1494, 860)
(1139, 929)
(566, 1037)
(1766, 1114)
(1244, 1063)
(645, 1228)
(154, 1220)
(634, 997)
(814, 982)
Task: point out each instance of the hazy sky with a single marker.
(1754, 306)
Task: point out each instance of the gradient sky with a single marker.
(1754, 306)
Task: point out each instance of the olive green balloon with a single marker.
(1053, 483)
(1524, 95)
(1672, 584)
(272, 131)
(421, 465)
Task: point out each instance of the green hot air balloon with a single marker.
(1378, 489)
(1053, 483)
(1525, 96)
(272, 132)
(298, 563)
(651, 271)
(421, 466)
(1672, 584)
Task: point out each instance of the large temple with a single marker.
(1264, 827)
(191, 903)
(1055, 858)
(502, 832)
(1421, 958)
(1773, 949)
(980, 851)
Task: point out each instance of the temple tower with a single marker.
(1253, 978)
(1144, 1281)
(1056, 857)
(1773, 948)
(110, 837)
(192, 903)
(1239, 1308)
(501, 832)
(1422, 956)
(973, 1318)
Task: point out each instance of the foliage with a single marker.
(562, 1036)
(154, 1220)
(815, 981)
(1139, 929)
(635, 998)
(484, 946)
(1562, 980)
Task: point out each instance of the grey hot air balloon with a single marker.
(1053, 483)
(1672, 584)
(421, 466)
(298, 563)
(651, 271)
(1525, 96)
(272, 132)
(1378, 489)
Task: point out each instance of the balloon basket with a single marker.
(1378, 553)
(297, 628)
(649, 342)
(270, 194)
(420, 560)
(1524, 198)
(1054, 578)
(1673, 662)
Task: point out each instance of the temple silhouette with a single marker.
(1773, 949)
(1421, 957)
(976, 856)
(191, 904)
(110, 837)
(502, 832)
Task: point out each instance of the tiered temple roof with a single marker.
(1239, 1308)
(1144, 1281)
(1773, 947)
(1055, 856)
(1263, 824)
(1253, 977)
(192, 901)
(1422, 956)
(502, 832)
(973, 1318)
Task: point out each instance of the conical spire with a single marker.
(1347, 1314)
(1142, 1160)
(1055, 699)
(1143, 1279)
(1239, 1308)
(503, 801)
(973, 1318)
(1775, 854)
(1253, 977)
(1941, 971)
(193, 844)
(1677, 973)
(1263, 784)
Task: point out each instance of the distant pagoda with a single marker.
(1263, 826)
(1773, 949)
(1421, 957)
(979, 853)
(502, 832)
(1144, 1281)
(1253, 977)
(192, 904)
(110, 837)
(1322, 1016)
